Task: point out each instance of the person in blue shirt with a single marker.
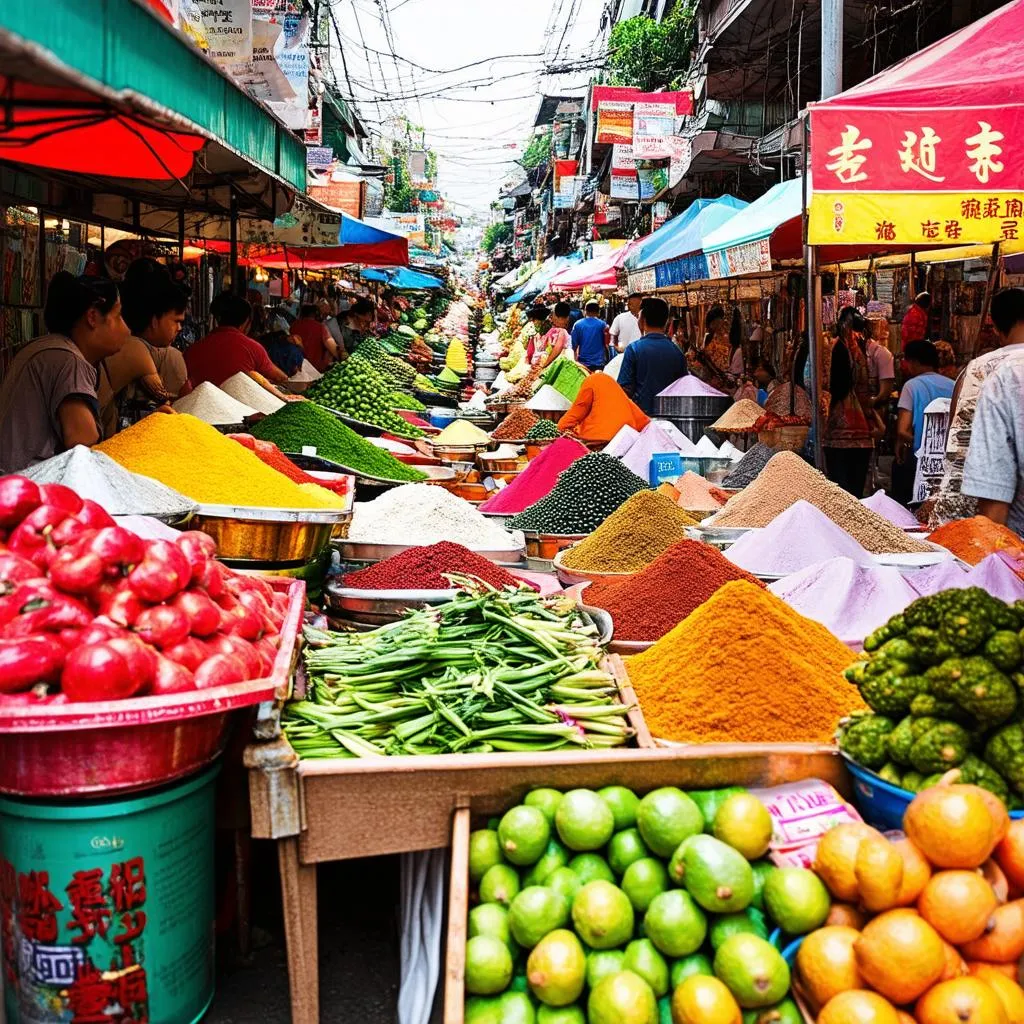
(651, 363)
(590, 338)
(924, 385)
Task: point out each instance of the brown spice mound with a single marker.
(787, 479)
(515, 426)
(741, 415)
(744, 667)
(632, 536)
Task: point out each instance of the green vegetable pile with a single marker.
(586, 494)
(400, 400)
(566, 377)
(355, 388)
(398, 373)
(297, 424)
(602, 906)
(944, 683)
(490, 670)
(542, 430)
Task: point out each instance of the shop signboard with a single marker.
(622, 157)
(625, 186)
(305, 225)
(642, 280)
(652, 178)
(748, 258)
(680, 155)
(319, 157)
(654, 124)
(228, 25)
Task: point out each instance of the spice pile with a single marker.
(421, 514)
(657, 438)
(744, 667)
(632, 536)
(697, 494)
(786, 479)
(944, 575)
(548, 399)
(996, 577)
(801, 536)
(301, 424)
(849, 598)
(523, 389)
(194, 458)
(885, 506)
(972, 539)
(690, 386)
(211, 405)
(622, 442)
(271, 455)
(515, 426)
(461, 433)
(429, 568)
(586, 494)
(543, 430)
(244, 389)
(566, 376)
(706, 449)
(739, 417)
(96, 476)
(538, 479)
(747, 469)
(646, 606)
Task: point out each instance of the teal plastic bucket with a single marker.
(107, 907)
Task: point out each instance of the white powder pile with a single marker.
(424, 514)
(707, 448)
(211, 405)
(690, 387)
(244, 389)
(99, 478)
(548, 399)
(621, 442)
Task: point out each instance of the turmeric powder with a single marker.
(744, 667)
(975, 538)
(197, 460)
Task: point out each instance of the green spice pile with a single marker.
(397, 372)
(304, 423)
(490, 670)
(632, 536)
(356, 389)
(543, 430)
(566, 377)
(586, 494)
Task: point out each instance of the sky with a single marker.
(471, 123)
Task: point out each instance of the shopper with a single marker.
(915, 322)
(48, 399)
(357, 323)
(849, 430)
(881, 375)
(228, 349)
(317, 343)
(285, 351)
(625, 327)
(764, 378)
(655, 360)
(329, 317)
(601, 410)
(590, 338)
(544, 349)
(923, 386)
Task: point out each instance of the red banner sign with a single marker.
(960, 150)
(626, 94)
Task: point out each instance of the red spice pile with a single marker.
(424, 568)
(646, 606)
(276, 459)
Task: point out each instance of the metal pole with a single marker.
(831, 48)
(233, 252)
(811, 314)
(181, 235)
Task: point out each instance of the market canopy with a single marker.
(540, 280)
(929, 151)
(683, 234)
(600, 272)
(402, 278)
(358, 242)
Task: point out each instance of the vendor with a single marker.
(764, 378)
(545, 348)
(601, 410)
(48, 400)
(357, 323)
(228, 349)
(317, 343)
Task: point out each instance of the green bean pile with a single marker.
(488, 671)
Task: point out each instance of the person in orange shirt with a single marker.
(601, 409)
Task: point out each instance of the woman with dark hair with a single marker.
(48, 400)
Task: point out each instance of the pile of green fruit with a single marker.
(605, 908)
(543, 430)
(397, 372)
(356, 389)
(944, 682)
(400, 400)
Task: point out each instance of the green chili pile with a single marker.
(488, 671)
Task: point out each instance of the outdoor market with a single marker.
(537, 616)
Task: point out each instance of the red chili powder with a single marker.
(538, 479)
(270, 454)
(424, 568)
(646, 606)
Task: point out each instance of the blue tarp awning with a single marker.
(380, 246)
(779, 204)
(402, 278)
(685, 233)
(539, 281)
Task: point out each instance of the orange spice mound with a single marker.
(975, 538)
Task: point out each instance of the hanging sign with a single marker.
(652, 176)
(654, 124)
(625, 185)
(622, 157)
(615, 123)
(228, 25)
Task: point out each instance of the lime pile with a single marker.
(608, 908)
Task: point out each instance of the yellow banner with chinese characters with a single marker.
(915, 218)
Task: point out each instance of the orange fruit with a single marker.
(879, 873)
(962, 1001)
(994, 875)
(1004, 941)
(904, 1018)
(836, 858)
(1007, 970)
(1008, 992)
(958, 905)
(900, 955)
(1009, 853)
(955, 826)
(827, 964)
(954, 966)
(846, 915)
(916, 872)
(858, 1007)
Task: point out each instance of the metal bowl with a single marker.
(249, 534)
(378, 607)
(367, 551)
(547, 545)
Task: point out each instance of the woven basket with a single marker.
(788, 438)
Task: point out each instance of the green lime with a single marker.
(484, 852)
(675, 924)
(797, 900)
(492, 919)
(499, 884)
(560, 1015)
(516, 1008)
(762, 870)
(601, 963)
(643, 959)
(524, 833)
(564, 881)
(590, 867)
(750, 921)
(623, 803)
(483, 1010)
(584, 821)
(602, 915)
(695, 963)
(624, 848)
(554, 857)
(536, 911)
(545, 800)
(753, 970)
(743, 822)
(488, 965)
(623, 998)
(665, 818)
(643, 880)
(557, 968)
(785, 1012)
(709, 800)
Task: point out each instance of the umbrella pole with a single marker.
(233, 254)
(814, 354)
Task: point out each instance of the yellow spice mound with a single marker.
(195, 459)
(744, 667)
